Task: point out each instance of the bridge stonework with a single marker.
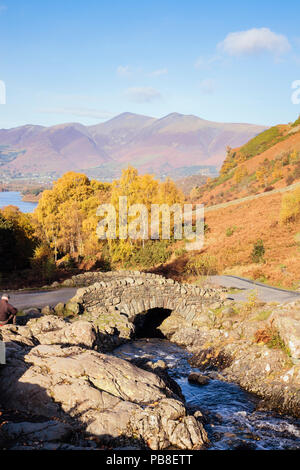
(113, 300)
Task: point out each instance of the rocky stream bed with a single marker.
(79, 376)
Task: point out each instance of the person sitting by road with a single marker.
(8, 314)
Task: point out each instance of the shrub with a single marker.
(43, 262)
(258, 274)
(289, 180)
(290, 207)
(296, 172)
(153, 253)
(203, 265)
(240, 174)
(67, 262)
(206, 228)
(251, 302)
(180, 252)
(285, 159)
(270, 336)
(268, 188)
(258, 251)
(262, 316)
(230, 231)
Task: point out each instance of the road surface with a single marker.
(264, 292)
(39, 299)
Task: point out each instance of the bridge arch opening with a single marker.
(147, 323)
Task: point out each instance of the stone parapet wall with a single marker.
(132, 293)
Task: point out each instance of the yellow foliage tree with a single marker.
(139, 189)
(24, 233)
(66, 215)
(229, 162)
(290, 207)
(294, 156)
(277, 171)
(263, 172)
(240, 173)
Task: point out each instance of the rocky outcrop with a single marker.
(58, 368)
(53, 374)
(53, 330)
(225, 340)
(29, 433)
(287, 320)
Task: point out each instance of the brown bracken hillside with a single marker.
(252, 238)
(268, 161)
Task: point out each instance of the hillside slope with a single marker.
(232, 233)
(268, 161)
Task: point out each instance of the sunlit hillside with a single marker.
(268, 161)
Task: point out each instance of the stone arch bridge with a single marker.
(114, 301)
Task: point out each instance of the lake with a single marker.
(14, 198)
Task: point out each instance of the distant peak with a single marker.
(130, 115)
(122, 115)
(174, 115)
(179, 117)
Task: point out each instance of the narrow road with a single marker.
(223, 205)
(39, 299)
(264, 292)
(291, 187)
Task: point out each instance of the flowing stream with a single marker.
(231, 418)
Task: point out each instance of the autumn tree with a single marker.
(66, 215)
(263, 172)
(229, 162)
(294, 156)
(240, 173)
(138, 189)
(7, 244)
(290, 207)
(23, 235)
(277, 170)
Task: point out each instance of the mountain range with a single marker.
(170, 145)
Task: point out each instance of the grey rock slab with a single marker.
(46, 431)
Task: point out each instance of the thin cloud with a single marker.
(159, 72)
(123, 70)
(254, 41)
(208, 86)
(80, 112)
(3, 8)
(142, 94)
(130, 71)
(202, 62)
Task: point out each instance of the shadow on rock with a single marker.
(58, 392)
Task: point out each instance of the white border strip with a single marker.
(2, 353)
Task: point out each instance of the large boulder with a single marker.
(54, 330)
(94, 393)
(287, 322)
(166, 424)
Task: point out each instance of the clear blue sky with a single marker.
(86, 61)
